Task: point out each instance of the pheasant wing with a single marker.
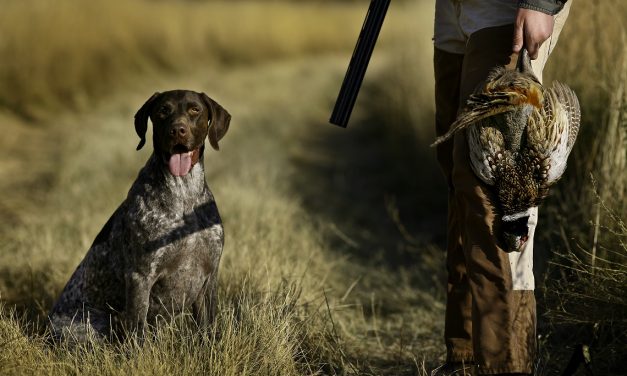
(553, 130)
(487, 151)
(567, 97)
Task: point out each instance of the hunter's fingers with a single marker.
(531, 29)
(533, 48)
(518, 36)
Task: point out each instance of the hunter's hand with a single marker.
(532, 29)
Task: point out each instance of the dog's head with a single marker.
(181, 120)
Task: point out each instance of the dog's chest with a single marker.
(181, 250)
(185, 261)
(172, 230)
(173, 234)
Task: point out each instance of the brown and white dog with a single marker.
(159, 252)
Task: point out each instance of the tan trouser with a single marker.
(490, 313)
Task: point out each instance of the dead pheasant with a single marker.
(519, 136)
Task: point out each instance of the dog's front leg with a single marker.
(199, 310)
(138, 288)
(200, 307)
(204, 308)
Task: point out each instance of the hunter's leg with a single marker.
(458, 325)
(449, 43)
(503, 318)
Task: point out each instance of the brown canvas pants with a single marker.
(490, 319)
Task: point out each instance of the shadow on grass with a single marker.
(29, 296)
(378, 189)
(376, 184)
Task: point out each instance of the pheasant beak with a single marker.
(515, 233)
(522, 242)
(514, 243)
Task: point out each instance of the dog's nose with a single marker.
(178, 130)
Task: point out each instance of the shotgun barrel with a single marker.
(359, 62)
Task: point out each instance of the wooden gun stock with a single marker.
(359, 62)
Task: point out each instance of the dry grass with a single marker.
(303, 287)
(585, 293)
(330, 265)
(63, 54)
(254, 334)
(265, 293)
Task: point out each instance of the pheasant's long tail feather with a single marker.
(481, 106)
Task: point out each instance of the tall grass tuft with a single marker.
(585, 292)
(254, 333)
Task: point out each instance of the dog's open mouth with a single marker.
(181, 161)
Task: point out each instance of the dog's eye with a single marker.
(164, 111)
(194, 110)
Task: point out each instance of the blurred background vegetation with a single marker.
(335, 238)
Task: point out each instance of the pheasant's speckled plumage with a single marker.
(519, 135)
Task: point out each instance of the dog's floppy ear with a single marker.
(141, 119)
(219, 122)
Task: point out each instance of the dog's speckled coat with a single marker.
(159, 252)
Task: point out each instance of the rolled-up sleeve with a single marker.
(545, 6)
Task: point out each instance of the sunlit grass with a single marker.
(330, 265)
(61, 55)
(291, 300)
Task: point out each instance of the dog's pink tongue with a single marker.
(180, 164)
